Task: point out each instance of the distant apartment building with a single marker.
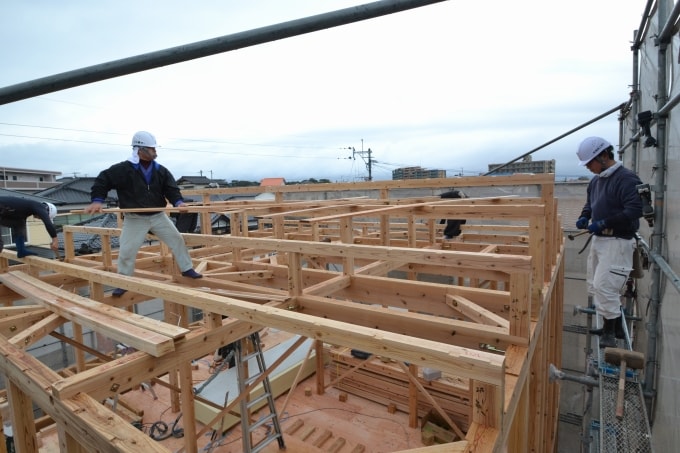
(525, 166)
(27, 181)
(417, 173)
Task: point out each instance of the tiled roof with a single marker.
(86, 243)
(36, 197)
(194, 180)
(75, 191)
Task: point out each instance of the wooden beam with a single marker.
(120, 375)
(435, 328)
(137, 331)
(37, 331)
(476, 313)
(11, 325)
(91, 424)
(486, 367)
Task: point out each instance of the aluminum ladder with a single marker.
(245, 384)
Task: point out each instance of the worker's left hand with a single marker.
(597, 226)
(582, 223)
(55, 244)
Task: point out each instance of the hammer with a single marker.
(624, 358)
(572, 236)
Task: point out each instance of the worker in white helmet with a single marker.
(611, 213)
(13, 213)
(141, 182)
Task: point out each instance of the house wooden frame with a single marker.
(355, 265)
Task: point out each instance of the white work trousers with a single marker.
(609, 264)
(135, 228)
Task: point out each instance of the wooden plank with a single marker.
(37, 331)
(90, 423)
(6, 312)
(436, 328)
(460, 361)
(322, 438)
(434, 403)
(337, 445)
(454, 447)
(373, 388)
(307, 432)
(144, 322)
(139, 338)
(11, 325)
(468, 260)
(476, 313)
(121, 374)
(297, 424)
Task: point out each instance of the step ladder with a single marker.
(242, 358)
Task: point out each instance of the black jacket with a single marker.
(615, 200)
(133, 190)
(15, 210)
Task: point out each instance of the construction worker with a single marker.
(142, 183)
(13, 214)
(452, 225)
(611, 214)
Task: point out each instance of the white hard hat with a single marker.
(590, 148)
(51, 210)
(145, 139)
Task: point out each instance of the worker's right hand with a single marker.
(582, 223)
(95, 206)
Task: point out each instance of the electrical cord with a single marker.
(160, 430)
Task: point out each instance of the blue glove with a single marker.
(596, 227)
(582, 223)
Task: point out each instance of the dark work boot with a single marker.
(608, 340)
(618, 328)
(597, 332)
(600, 330)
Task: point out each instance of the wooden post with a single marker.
(320, 373)
(79, 353)
(294, 274)
(413, 397)
(520, 304)
(107, 255)
(188, 410)
(346, 237)
(23, 426)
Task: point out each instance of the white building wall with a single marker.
(665, 416)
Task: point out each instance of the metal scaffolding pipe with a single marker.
(668, 31)
(577, 128)
(204, 48)
(659, 260)
(658, 233)
(555, 373)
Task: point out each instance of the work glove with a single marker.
(596, 227)
(582, 223)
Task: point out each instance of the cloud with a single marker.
(454, 85)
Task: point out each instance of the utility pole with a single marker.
(369, 161)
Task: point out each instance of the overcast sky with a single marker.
(454, 86)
